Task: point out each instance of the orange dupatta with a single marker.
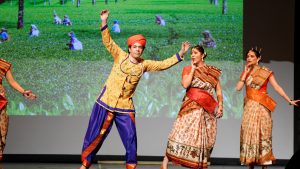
(261, 98)
(260, 76)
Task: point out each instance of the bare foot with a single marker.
(82, 167)
(164, 164)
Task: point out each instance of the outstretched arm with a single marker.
(108, 42)
(281, 92)
(220, 100)
(14, 84)
(151, 65)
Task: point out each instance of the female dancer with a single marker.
(193, 135)
(256, 127)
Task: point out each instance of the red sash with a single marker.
(203, 98)
(3, 102)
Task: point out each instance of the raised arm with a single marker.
(108, 42)
(151, 65)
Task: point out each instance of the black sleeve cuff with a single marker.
(178, 57)
(104, 27)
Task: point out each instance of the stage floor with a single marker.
(109, 166)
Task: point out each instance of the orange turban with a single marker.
(136, 38)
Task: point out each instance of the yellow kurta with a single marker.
(118, 90)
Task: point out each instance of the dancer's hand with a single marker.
(184, 48)
(219, 112)
(294, 102)
(29, 95)
(247, 68)
(193, 65)
(104, 14)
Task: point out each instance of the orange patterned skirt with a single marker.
(256, 135)
(192, 137)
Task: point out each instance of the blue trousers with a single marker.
(100, 124)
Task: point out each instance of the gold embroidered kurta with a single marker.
(118, 90)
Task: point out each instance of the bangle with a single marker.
(242, 80)
(290, 102)
(29, 91)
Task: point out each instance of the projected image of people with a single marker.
(56, 19)
(256, 125)
(3, 35)
(159, 20)
(66, 21)
(116, 27)
(5, 72)
(193, 135)
(33, 32)
(207, 40)
(115, 104)
(74, 43)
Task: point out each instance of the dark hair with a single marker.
(256, 51)
(200, 49)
